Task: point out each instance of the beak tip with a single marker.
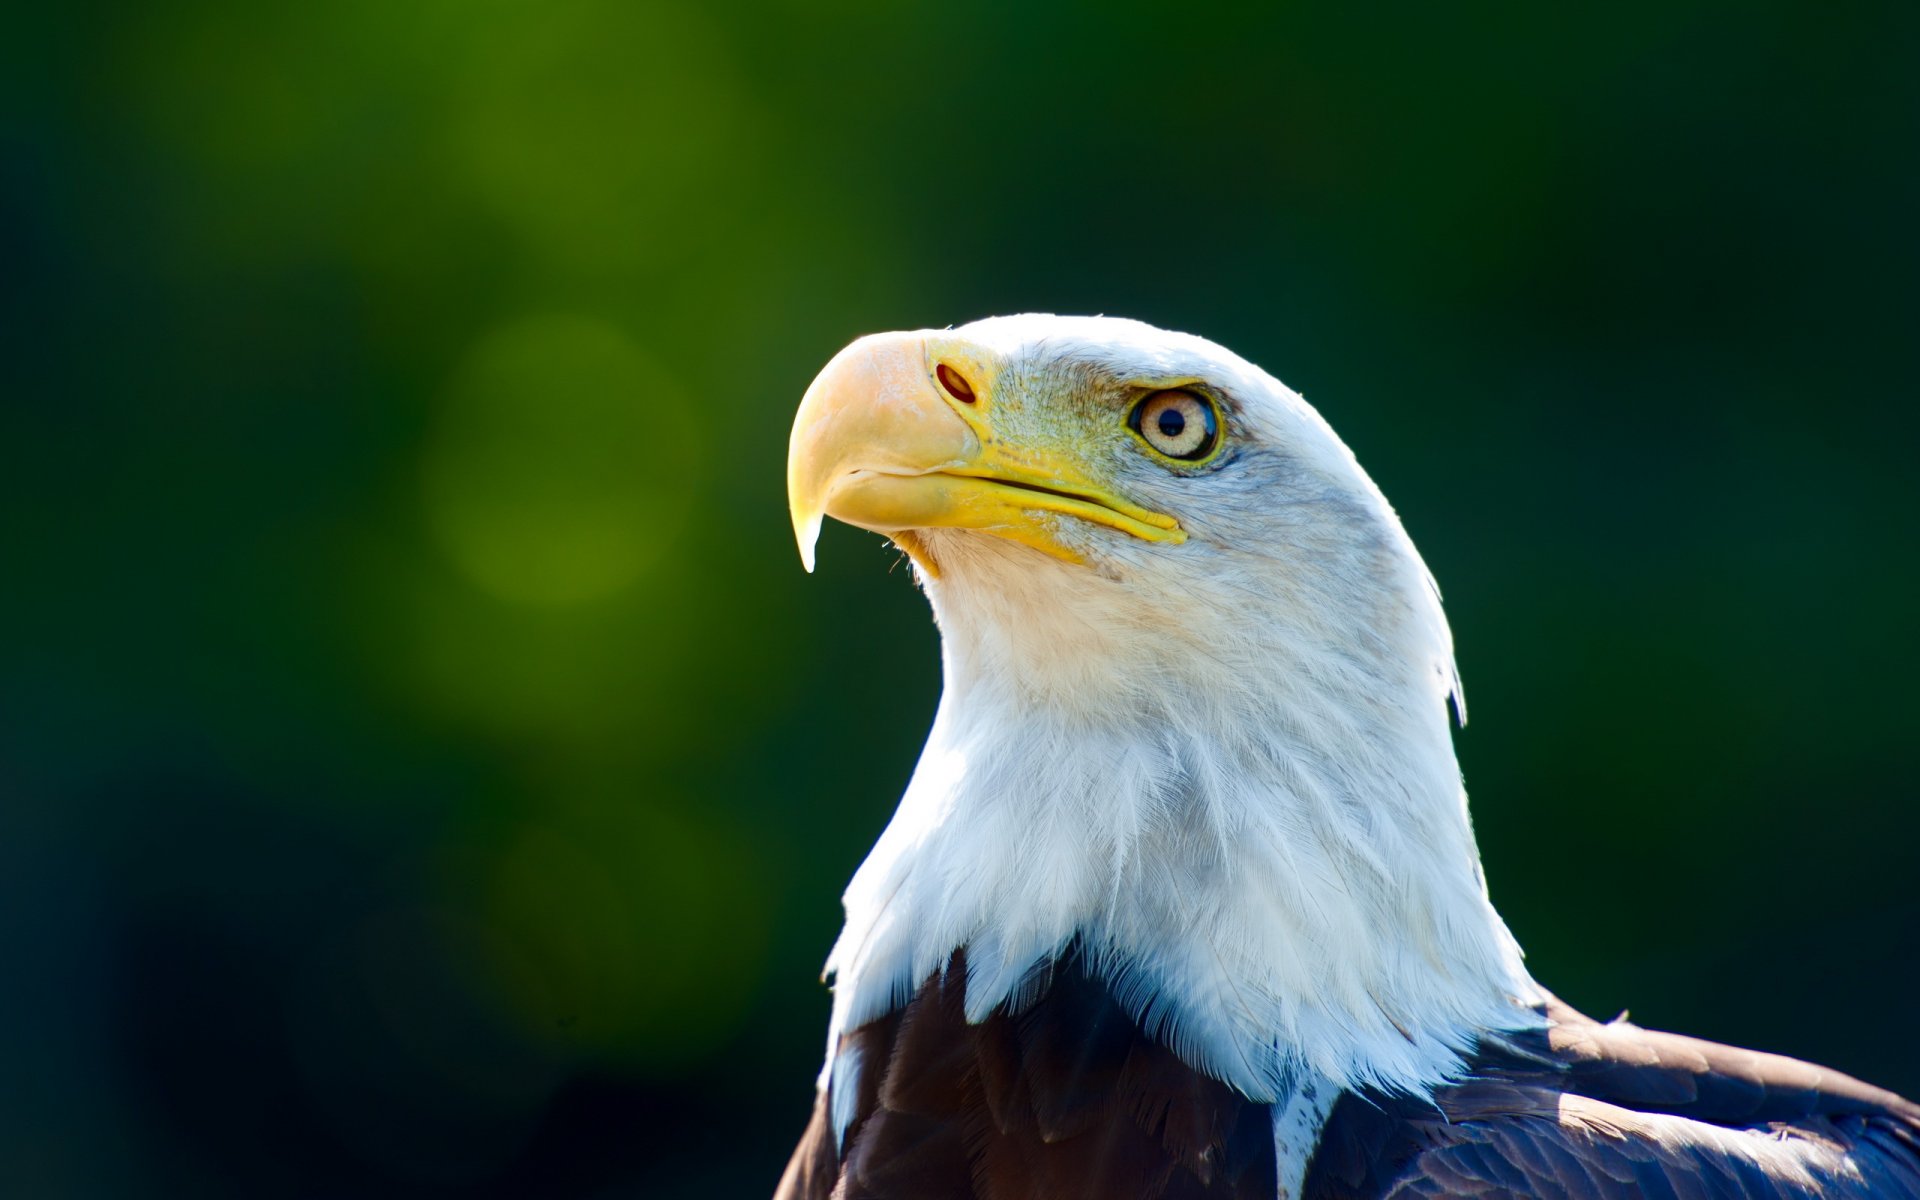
(806, 532)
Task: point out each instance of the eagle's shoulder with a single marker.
(1599, 1110)
(1065, 1098)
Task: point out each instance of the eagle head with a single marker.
(1195, 706)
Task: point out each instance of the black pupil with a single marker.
(1172, 423)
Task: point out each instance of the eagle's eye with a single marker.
(1178, 424)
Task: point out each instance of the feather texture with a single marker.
(1070, 1100)
(1591, 1110)
(1065, 1099)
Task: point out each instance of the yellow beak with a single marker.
(878, 443)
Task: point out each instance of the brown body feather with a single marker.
(1070, 1099)
(1065, 1100)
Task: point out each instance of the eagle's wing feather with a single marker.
(1667, 1072)
(1593, 1110)
(1537, 1142)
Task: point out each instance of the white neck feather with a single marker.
(1254, 827)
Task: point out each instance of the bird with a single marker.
(1183, 899)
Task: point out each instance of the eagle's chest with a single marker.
(1066, 1099)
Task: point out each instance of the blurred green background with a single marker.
(426, 771)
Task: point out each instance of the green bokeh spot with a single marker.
(560, 464)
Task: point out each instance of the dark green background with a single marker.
(426, 771)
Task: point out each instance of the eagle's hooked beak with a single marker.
(898, 434)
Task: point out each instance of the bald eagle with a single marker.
(1183, 899)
